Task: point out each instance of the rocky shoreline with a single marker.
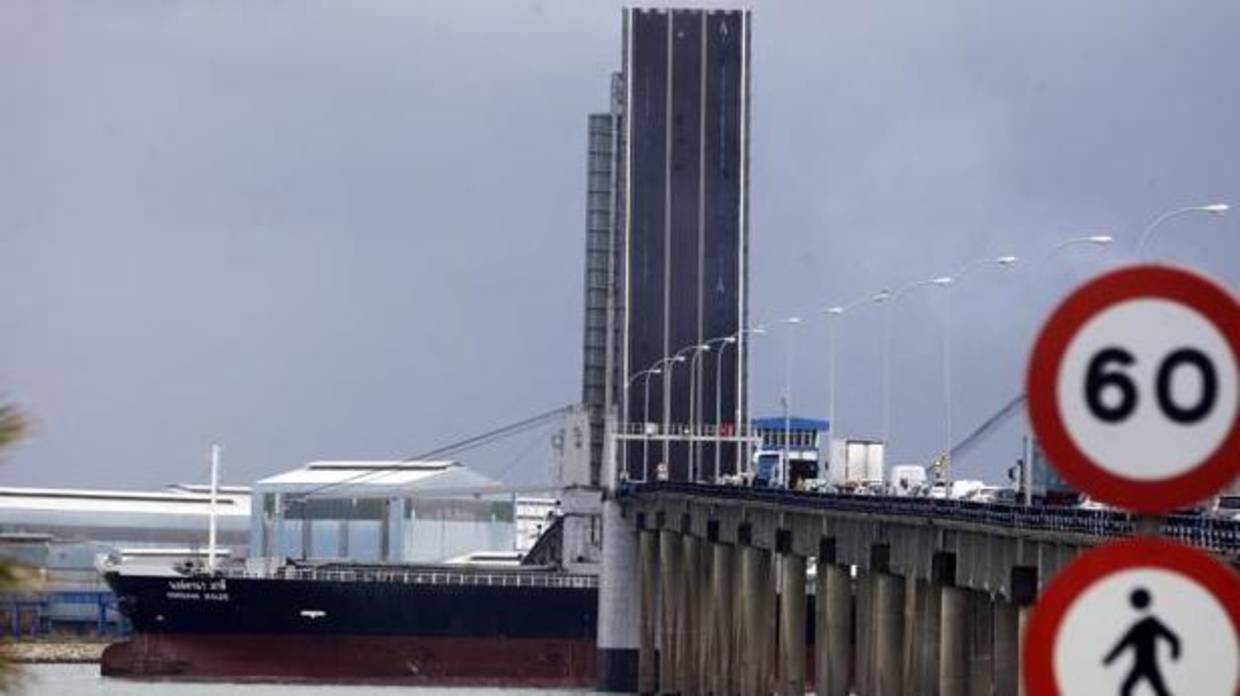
(47, 652)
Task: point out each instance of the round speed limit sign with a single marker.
(1132, 388)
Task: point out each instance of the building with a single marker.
(682, 226)
(58, 533)
(790, 451)
(380, 511)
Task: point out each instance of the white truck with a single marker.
(855, 464)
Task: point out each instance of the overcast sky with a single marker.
(355, 229)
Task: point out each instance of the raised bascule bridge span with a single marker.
(903, 595)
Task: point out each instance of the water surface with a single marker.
(84, 680)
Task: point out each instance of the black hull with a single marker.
(319, 607)
(201, 628)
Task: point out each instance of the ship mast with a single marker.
(215, 485)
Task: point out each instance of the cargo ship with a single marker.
(358, 623)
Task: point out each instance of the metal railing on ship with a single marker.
(420, 577)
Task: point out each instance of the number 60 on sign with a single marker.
(1132, 388)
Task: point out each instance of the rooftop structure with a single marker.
(385, 511)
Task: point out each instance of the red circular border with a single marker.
(1076, 467)
(1038, 655)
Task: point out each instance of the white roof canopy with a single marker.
(381, 478)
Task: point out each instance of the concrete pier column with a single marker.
(1024, 591)
(888, 627)
(703, 584)
(690, 594)
(1007, 640)
(740, 630)
(929, 607)
(792, 625)
(981, 645)
(914, 594)
(756, 601)
(954, 642)
(669, 606)
(768, 627)
(1022, 624)
(863, 654)
(618, 603)
(648, 592)
(832, 627)
(723, 598)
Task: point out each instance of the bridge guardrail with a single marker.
(1204, 531)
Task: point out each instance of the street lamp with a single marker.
(1212, 208)
(694, 406)
(723, 346)
(647, 374)
(724, 342)
(835, 313)
(668, 383)
(890, 297)
(742, 421)
(656, 369)
(791, 322)
(946, 282)
(1098, 240)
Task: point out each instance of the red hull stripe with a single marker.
(541, 663)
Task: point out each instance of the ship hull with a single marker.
(283, 657)
(273, 629)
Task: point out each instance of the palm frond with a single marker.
(12, 425)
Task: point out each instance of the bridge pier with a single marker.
(792, 623)
(888, 631)
(687, 651)
(832, 624)
(910, 656)
(863, 610)
(954, 642)
(648, 621)
(739, 625)
(721, 655)
(1022, 623)
(670, 594)
(1007, 637)
(981, 644)
(758, 601)
(923, 679)
(702, 597)
(618, 603)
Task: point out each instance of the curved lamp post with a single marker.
(834, 314)
(1212, 208)
(791, 322)
(947, 282)
(647, 374)
(890, 297)
(694, 407)
(668, 383)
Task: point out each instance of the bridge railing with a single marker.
(1205, 531)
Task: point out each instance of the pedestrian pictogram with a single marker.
(1133, 392)
(1142, 640)
(1140, 616)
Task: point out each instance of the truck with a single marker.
(856, 464)
(908, 479)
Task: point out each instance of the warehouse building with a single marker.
(380, 511)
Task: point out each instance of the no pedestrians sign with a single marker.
(1141, 616)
